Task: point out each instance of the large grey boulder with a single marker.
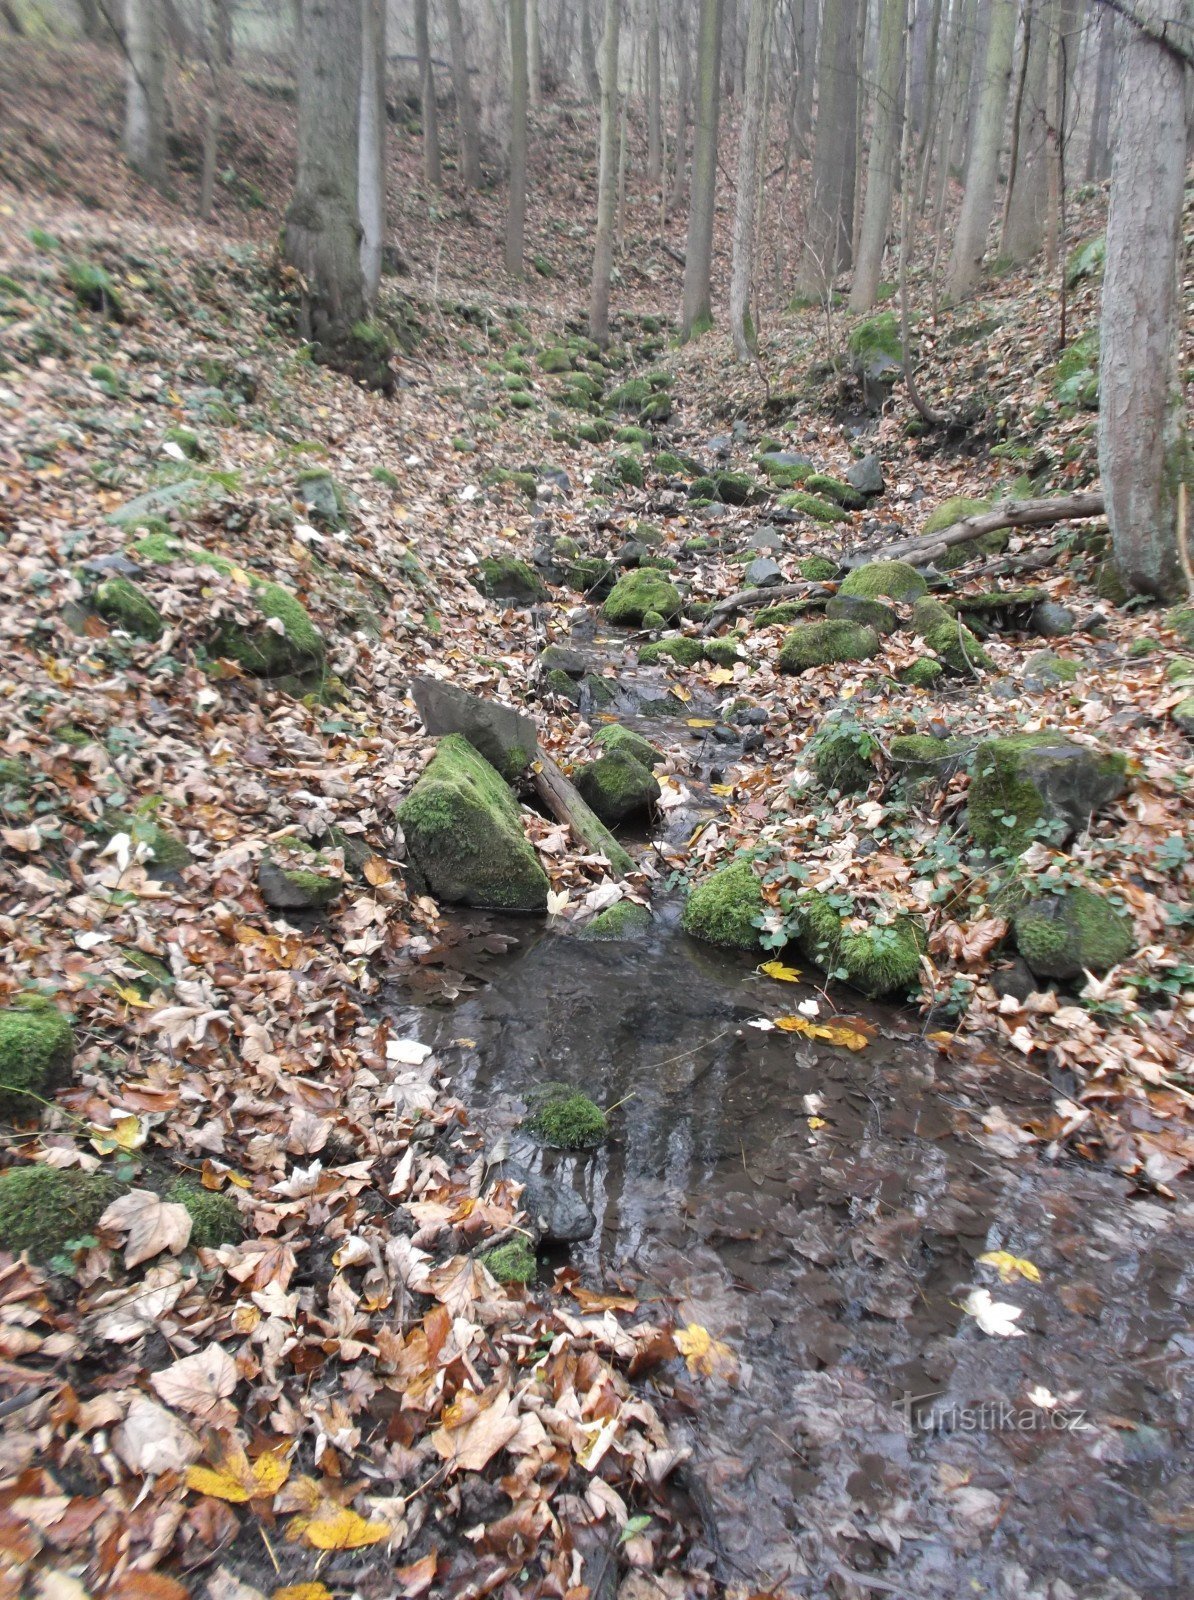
(866, 476)
(505, 737)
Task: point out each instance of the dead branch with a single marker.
(565, 804)
(1011, 514)
(748, 599)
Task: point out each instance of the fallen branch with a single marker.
(565, 804)
(1011, 514)
(748, 599)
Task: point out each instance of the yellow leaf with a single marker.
(239, 1180)
(700, 722)
(703, 1354)
(776, 969)
(377, 871)
(722, 675)
(817, 1122)
(339, 1529)
(684, 694)
(722, 788)
(1010, 1266)
(132, 998)
(848, 1035)
(302, 1591)
(237, 1479)
(126, 1133)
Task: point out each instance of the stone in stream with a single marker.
(1063, 936)
(878, 959)
(464, 834)
(624, 920)
(1028, 779)
(504, 737)
(866, 476)
(763, 574)
(816, 644)
(556, 1213)
(723, 907)
(615, 737)
(617, 786)
(637, 594)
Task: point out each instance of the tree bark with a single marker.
(371, 199)
(323, 235)
(1028, 187)
(810, 20)
(829, 224)
(697, 310)
(215, 59)
(750, 143)
(683, 97)
(654, 99)
(562, 799)
(516, 220)
(145, 101)
(1010, 514)
(603, 246)
(1098, 151)
(432, 166)
(534, 53)
(881, 162)
(1144, 450)
(466, 107)
(588, 53)
(982, 168)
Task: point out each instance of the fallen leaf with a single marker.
(847, 1034)
(338, 1528)
(995, 1317)
(1010, 1266)
(152, 1225)
(703, 1354)
(776, 969)
(235, 1478)
(152, 1440)
(199, 1383)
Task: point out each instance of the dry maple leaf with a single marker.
(470, 1438)
(152, 1440)
(199, 1384)
(233, 1477)
(336, 1527)
(704, 1355)
(152, 1225)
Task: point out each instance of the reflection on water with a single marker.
(833, 1261)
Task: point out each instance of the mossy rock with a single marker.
(513, 362)
(188, 441)
(787, 611)
(294, 876)
(929, 613)
(564, 1119)
(555, 360)
(628, 471)
(464, 834)
(891, 580)
(1063, 936)
(816, 644)
(624, 741)
(638, 592)
(957, 649)
(870, 613)
(722, 908)
(1181, 621)
(592, 575)
(508, 578)
(629, 396)
(617, 787)
(876, 344)
(266, 653)
(166, 851)
(323, 497)
(785, 474)
(817, 569)
(1108, 584)
(926, 673)
(1045, 670)
(830, 488)
(987, 544)
(17, 780)
(684, 651)
(956, 509)
(42, 1209)
(624, 920)
(843, 755)
(723, 652)
(1183, 715)
(657, 409)
(633, 434)
(811, 505)
(730, 488)
(916, 757)
(669, 465)
(877, 959)
(1028, 779)
(512, 1262)
(36, 1050)
(127, 606)
(215, 1218)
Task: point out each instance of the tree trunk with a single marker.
(603, 246)
(145, 102)
(982, 169)
(697, 311)
(881, 163)
(466, 107)
(432, 166)
(323, 236)
(1028, 185)
(654, 99)
(980, 37)
(372, 145)
(624, 149)
(1063, 61)
(1098, 151)
(534, 53)
(829, 224)
(683, 98)
(750, 154)
(806, 82)
(516, 221)
(588, 53)
(1144, 451)
(215, 26)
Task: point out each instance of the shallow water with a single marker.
(863, 1433)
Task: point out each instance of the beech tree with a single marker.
(654, 98)
(145, 99)
(1028, 178)
(603, 247)
(1144, 447)
(432, 166)
(466, 106)
(882, 158)
(516, 219)
(697, 311)
(372, 144)
(750, 141)
(829, 223)
(982, 167)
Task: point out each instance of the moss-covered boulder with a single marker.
(624, 741)
(508, 578)
(785, 612)
(617, 786)
(286, 643)
(722, 908)
(958, 509)
(835, 489)
(869, 613)
(955, 509)
(730, 488)
(464, 834)
(128, 607)
(890, 580)
(843, 755)
(950, 640)
(817, 569)
(322, 497)
(916, 757)
(1064, 935)
(294, 876)
(1045, 670)
(1181, 621)
(43, 1209)
(684, 651)
(816, 644)
(215, 1217)
(1028, 779)
(36, 1049)
(625, 920)
(811, 505)
(159, 850)
(639, 592)
(877, 958)
(564, 1119)
(926, 673)
(1183, 715)
(555, 359)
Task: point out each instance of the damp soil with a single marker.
(871, 1438)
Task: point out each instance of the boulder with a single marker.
(722, 908)
(294, 876)
(508, 578)
(816, 644)
(161, 851)
(917, 756)
(617, 787)
(638, 593)
(624, 920)
(1064, 935)
(869, 613)
(504, 737)
(287, 642)
(891, 580)
(125, 605)
(43, 1208)
(866, 476)
(763, 573)
(36, 1050)
(614, 737)
(843, 755)
(878, 959)
(464, 834)
(1027, 779)
(1051, 621)
(555, 1212)
(320, 494)
(1044, 670)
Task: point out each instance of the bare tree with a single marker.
(516, 219)
(1098, 152)
(214, 43)
(603, 247)
(432, 166)
(750, 155)
(882, 157)
(534, 53)
(145, 99)
(1028, 186)
(697, 310)
(1144, 447)
(466, 106)
(982, 167)
(654, 99)
(372, 144)
(829, 224)
(683, 98)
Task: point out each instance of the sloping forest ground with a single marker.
(280, 1359)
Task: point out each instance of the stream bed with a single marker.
(860, 1427)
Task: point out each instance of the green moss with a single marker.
(894, 579)
(954, 510)
(787, 611)
(595, 432)
(42, 1209)
(512, 1262)
(878, 959)
(877, 338)
(16, 782)
(617, 786)
(1062, 936)
(923, 674)
(557, 681)
(668, 464)
(93, 287)
(262, 651)
(722, 909)
(919, 755)
(633, 434)
(830, 488)
(785, 474)
(215, 1218)
(315, 883)
(870, 613)
(1181, 621)
(843, 755)
(1086, 260)
(686, 652)
(957, 555)
(812, 506)
(566, 1120)
(817, 569)
(120, 602)
(624, 920)
(1108, 584)
(1044, 669)
(464, 833)
(513, 362)
(187, 441)
(36, 1050)
(508, 578)
(723, 652)
(1028, 778)
(638, 592)
(628, 471)
(730, 488)
(167, 852)
(957, 649)
(815, 644)
(629, 396)
(554, 360)
(627, 742)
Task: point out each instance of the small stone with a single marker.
(763, 574)
(1051, 621)
(556, 1213)
(866, 476)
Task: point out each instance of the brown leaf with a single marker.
(152, 1225)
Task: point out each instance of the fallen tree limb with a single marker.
(565, 804)
(748, 599)
(1011, 514)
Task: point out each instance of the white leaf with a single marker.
(306, 534)
(763, 1024)
(198, 1383)
(996, 1317)
(174, 451)
(809, 1008)
(557, 900)
(409, 1052)
(152, 1440)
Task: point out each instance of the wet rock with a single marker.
(558, 658)
(879, 959)
(556, 1213)
(722, 908)
(504, 737)
(816, 644)
(763, 574)
(1044, 670)
(1033, 778)
(1015, 979)
(866, 476)
(293, 876)
(750, 717)
(507, 578)
(625, 920)
(1063, 936)
(616, 739)
(1051, 621)
(617, 787)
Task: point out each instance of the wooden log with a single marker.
(565, 804)
(748, 599)
(1012, 514)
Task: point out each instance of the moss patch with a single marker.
(564, 1119)
(722, 909)
(166, 851)
(684, 651)
(811, 505)
(624, 920)
(215, 1218)
(1030, 778)
(126, 606)
(1062, 936)
(639, 592)
(893, 580)
(816, 644)
(877, 959)
(830, 488)
(512, 1262)
(870, 613)
(43, 1208)
(626, 742)
(843, 756)
(617, 787)
(923, 674)
(264, 652)
(36, 1049)
(957, 649)
(954, 510)
(508, 578)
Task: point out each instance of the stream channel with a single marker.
(866, 1430)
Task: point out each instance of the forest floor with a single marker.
(344, 1391)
